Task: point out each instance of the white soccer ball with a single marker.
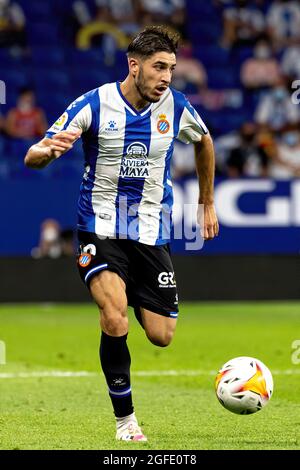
(244, 385)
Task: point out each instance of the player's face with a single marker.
(154, 75)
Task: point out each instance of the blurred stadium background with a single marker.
(239, 66)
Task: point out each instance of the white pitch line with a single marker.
(141, 373)
(50, 373)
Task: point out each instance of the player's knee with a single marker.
(161, 339)
(113, 305)
(114, 319)
(115, 325)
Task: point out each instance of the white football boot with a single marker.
(129, 430)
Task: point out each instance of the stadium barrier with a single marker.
(257, 216)
(209, 278)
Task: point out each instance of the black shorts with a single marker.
(146, 270)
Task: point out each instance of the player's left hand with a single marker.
(207, 219)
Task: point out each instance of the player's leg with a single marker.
(158, 328)
(108, 290)
(155, 297)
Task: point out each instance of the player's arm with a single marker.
(205, 167)
(62, 134)
(193, 130)
(48, 149)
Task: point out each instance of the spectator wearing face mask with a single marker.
(170, 12)
(1, 124)
(120, 14)
(50, 241)
(283, 21)
(12, 25)
(243, 24)
(2, 169)
(261, 70)
(183, 161)
(290, 62)
(189, 70)
(26, 120)
(248, 158)
(286, 161)
(275, 110)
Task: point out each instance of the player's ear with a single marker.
(133, 65)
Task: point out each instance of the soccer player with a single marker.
(128, 130)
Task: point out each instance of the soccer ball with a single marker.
(244, 385)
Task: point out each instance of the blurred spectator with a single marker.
(12, 25)
(183, 161)
(123, 13)
(112, 26)
(119, 12)
(275, 109)
(223, 145)
(248, 158)
(261, 70)
(214, 100)
(67, 242)
(290, 62)
(1, 124)
(49, 243)
(54, 242)
(243, 24)
(286, 161)
(188, 70)
(283, 21)
(2, 169)
(171, 12)
(26, 120)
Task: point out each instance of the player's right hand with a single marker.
(62, 142)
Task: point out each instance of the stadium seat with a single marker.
(240, 54)
(37, 9)
(200, 9)
(204, 32)
(89, 80)
(51, 79)
(223, 77)
(90, 57)
(54, 103)
(225, 121)
(7, 59)
(211, 55)
(15, 77)
(49, 56)
(44, 33)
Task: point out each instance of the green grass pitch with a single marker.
(178, 410)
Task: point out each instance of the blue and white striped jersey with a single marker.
(126, 191)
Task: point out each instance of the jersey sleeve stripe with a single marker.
(197, 118)
(78, 114)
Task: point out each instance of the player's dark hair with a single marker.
(154, 39)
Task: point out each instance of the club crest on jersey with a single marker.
(84, 259)
(163, 125)
(135, 164)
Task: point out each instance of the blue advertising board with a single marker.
(257, 216)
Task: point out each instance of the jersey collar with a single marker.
(129, 106)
